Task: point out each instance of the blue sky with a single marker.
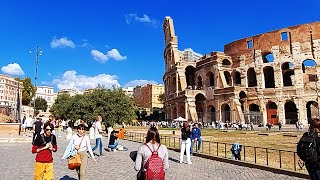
(86, 43)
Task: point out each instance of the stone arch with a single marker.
(226, 113)
(228, 78)
(312, 110)
(190, 72)
(200, 99)
(268, 73)
(182, 111)
(199, 82)
(291, 112)
(242, 99)
(309, 70)
(272, 112)
(287, 69)
(267, 57)
(236, 78)
(252, 77)
(210, 78)
(226, 62)
(212, 113)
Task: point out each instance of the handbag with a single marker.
(75, 161)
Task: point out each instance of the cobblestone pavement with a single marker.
(16, 162)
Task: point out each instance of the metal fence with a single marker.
(276, 158)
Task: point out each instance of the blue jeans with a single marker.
(113, 146)
(98, 143)
(192, 143)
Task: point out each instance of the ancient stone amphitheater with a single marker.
(270, 77)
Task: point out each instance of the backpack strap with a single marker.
(155, 151)
(44, 141)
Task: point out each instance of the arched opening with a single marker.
(242, 99)
(252, 78)
(174, 113)
(287, 73)
(227, 77)
(236, 78)
(199, 82)
(267, 57)
(226, 62)
(190, 76)
(210, 78)
(212, 114)
(254, 107)
(182, 111)
(312, 110)
(226, 113)
(272, 113)
(173, 85)
(268, 77)
(200, 98)
(291, 112)
(309, 70)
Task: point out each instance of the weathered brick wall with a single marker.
(9, 128)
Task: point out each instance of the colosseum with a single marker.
(266, 78)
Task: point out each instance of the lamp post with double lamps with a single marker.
(38, 52)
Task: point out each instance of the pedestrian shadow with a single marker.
(174, 160)
(66, 177)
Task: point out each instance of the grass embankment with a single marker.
(254, 145)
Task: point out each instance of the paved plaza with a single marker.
(17, 161)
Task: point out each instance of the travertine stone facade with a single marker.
(269, 77)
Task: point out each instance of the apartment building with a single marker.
(47, 93)
(147, 96)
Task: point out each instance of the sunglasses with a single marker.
(81, 129)
(48, 129)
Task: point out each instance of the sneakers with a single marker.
(198, 151)
(181, 162)
(189, 162)
(114, 150)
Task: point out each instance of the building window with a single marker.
(249, 44)
(284, 36)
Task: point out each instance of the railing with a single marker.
(276, 158)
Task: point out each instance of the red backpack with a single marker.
(154, 166)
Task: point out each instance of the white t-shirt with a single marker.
(96, 130)
(85, 144)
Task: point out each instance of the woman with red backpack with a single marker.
(152, 158)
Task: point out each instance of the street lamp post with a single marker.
(38, 53)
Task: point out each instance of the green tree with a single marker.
(28, 90)
(41, 104)
(61, 106)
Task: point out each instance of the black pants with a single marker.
(313, 170)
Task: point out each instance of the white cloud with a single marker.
(12, 69)
(112, 54)
(135, 83)
(131, 18)
(62, 42)
(70, 80)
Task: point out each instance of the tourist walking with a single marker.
(195, 137)
(185, 142)
(153, 151)
(37, 126)
(308, 149)
(81, 143)
(98, 135)
(43, 146)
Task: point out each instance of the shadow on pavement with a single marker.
(66, 177)
(174, 160)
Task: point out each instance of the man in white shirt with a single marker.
(98, 135)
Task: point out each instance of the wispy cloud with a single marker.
(70, 80)
(132, 18)
(12, 69)
(112, 54)
(61, 43)
(141, 82)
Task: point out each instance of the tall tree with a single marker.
(41, 104)
(61, 106)
(28, 90)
